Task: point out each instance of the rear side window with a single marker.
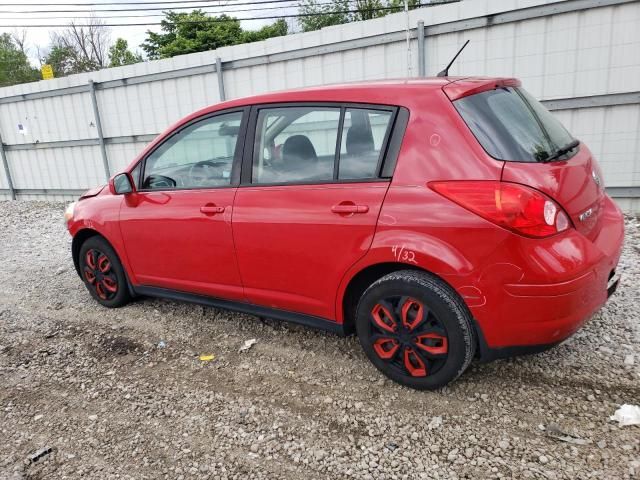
(363, 136)
(511, 125)
(319, 144)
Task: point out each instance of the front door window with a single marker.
(199, 156)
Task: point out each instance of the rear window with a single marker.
(512, 125)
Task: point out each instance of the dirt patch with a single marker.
(119, 345)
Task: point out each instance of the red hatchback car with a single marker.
(440, 219)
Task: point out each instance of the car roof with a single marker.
(384, 92)
(401, 92)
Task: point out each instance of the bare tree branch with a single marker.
(86, 47)
(20, 39)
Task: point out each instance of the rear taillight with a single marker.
(510, 205)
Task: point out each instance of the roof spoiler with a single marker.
(470, 86)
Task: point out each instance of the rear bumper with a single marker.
(575, 276)
(485, 353)
(548, 318)
(540, 335)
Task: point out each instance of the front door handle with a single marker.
(211, 209)
(349, 208)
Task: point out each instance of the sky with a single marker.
(135, 35)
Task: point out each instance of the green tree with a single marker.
(119, 54)
(14, 64)
(65, 60)
(317, 14)
(276, 29)
(197, 32)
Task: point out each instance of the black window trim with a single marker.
(136, 181)
(394, 145)
(382, 171)
(336, 154)
(237, 158)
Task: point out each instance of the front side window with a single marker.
(512, 125)
(199, 156)
(300, 144)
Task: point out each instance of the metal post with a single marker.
(7, 172)
(96, 113)
(220, 79)
(422, 70)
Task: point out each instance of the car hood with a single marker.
(92, 192)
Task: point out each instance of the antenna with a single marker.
(445, 72)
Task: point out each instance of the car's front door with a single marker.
(308, 204)
(177, 225)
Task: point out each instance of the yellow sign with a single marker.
(47, 72)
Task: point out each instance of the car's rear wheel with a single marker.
(415, 329)
(103, 273)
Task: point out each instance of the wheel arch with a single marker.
(85, 234)
(371, 273)
(78, 239)
(397, 249)
(363, 279)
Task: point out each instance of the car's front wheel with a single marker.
(415, 329)
(103, 273)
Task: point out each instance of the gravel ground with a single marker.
(93, 385)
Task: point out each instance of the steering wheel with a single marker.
(204, 166)
(155, 181)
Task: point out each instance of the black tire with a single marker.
(108, 285)
(438, 337)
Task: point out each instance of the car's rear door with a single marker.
(309, 199)
(177, 225)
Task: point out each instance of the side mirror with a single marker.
(122, 184)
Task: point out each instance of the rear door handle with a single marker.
(211, 209)
(348, 208)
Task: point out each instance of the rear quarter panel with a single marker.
(419, 227)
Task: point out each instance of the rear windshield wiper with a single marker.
(561, 151)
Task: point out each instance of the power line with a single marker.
(113, 17)
(159, 2)
(190, 7)
(168, 8)
(213, 20)
(218, 12)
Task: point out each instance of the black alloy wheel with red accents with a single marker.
(99, 274)
(102, 272)
(408, 335)
(415, 329)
